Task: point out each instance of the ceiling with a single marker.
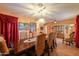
(49, 11)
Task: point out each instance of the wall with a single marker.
(59, 23)
(68, 22)
(26, 19)
(23, 19)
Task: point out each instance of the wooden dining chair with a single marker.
(70, 40)
(52, 39)
(40, 45)
(50, 43)
(61, 36)
(3, 47)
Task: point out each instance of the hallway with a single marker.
(65, 50)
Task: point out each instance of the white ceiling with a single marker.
(52, 11)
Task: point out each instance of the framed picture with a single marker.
(23, 26)
(32, 27)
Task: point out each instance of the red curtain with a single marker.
(9, 28)
(77, 31)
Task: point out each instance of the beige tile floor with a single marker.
(65, 50)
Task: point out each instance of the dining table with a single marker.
(27, 44)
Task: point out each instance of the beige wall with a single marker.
(23, 19)
(64, 22)
(67, 22)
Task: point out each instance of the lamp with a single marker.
(41, 20)
(55, 21)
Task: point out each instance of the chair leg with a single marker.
(69, 43)
(54, 46)
(51, 49)
(48, 53)
(43, 54)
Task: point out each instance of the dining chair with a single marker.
(52, 39)
(40, 46)
(70, 40)
(3, 47)
(61, 36)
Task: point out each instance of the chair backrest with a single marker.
(40, 44)
(51, 39)
(72, 35)
(3, 46)
(0, 45)
(60, 35)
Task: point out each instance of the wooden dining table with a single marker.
(27, 44)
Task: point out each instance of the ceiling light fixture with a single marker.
(55, 21)
(42, 20)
